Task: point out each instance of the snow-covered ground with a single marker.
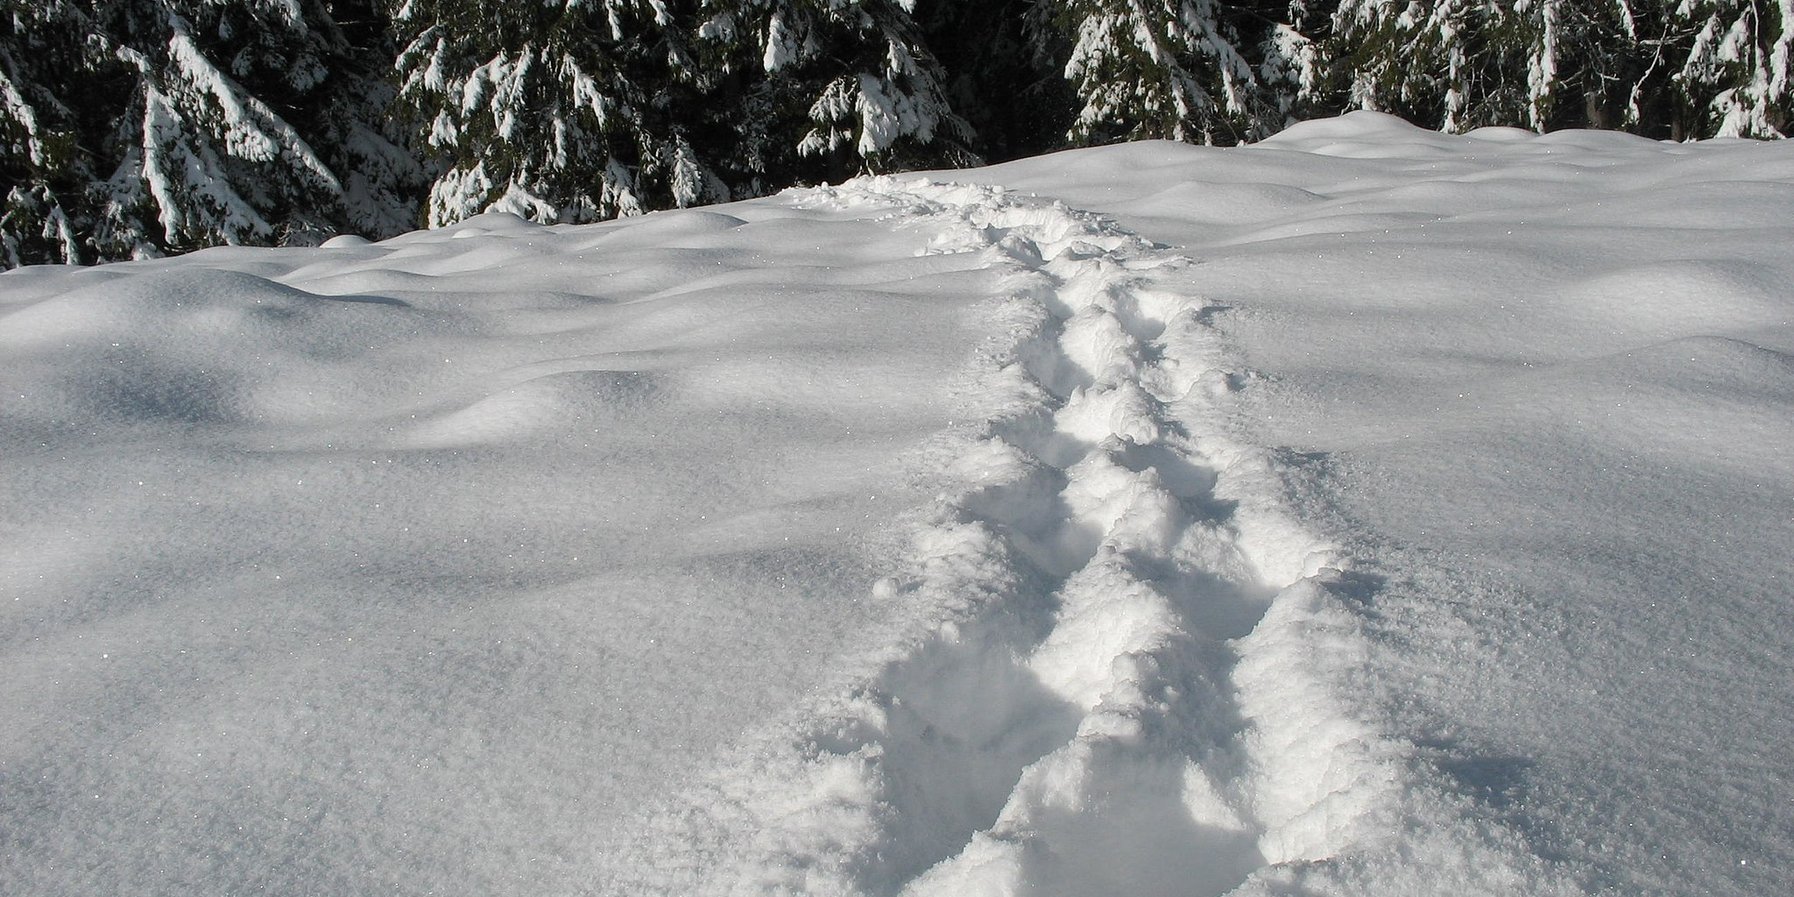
(1365, 511)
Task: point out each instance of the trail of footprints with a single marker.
(1119, 684)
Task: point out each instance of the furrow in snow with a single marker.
(1124, 673)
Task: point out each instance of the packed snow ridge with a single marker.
(1368, 511)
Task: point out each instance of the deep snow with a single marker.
(1364, 511)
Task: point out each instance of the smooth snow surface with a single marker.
(1367, 511)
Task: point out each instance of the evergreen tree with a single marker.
(1292, 65)
(1670, 68)
(42, 215)
(1178, 69)
(1735, 77)
(355, 129)
(564, 110)
(1449, 64)
(848, 84)
(148, 126)
(1612, 60)
(201, 158)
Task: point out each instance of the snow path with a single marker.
(1537, 388)
(1125, 664)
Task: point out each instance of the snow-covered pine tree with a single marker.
(1607, 59)
(1291, 62)
(43, 213)
(205, 151)
(1179, 69)
(1447, 64)
(871, 94)
(1461, 64)
(555, 110)
(757, 102)
(1596, 64)
(352, 123)
(149, 126)
(1735, 77)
